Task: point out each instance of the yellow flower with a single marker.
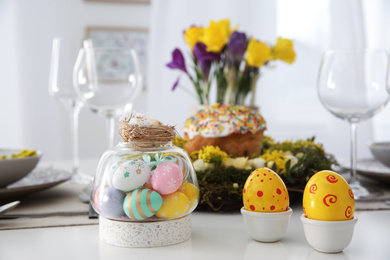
(283, 50)
(216, 35)
(179, 141)
(257, 53)
(212, 154)
(276, 157)
(194, 155)
(193, 35)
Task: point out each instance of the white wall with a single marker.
(30, 117)
(10, 105)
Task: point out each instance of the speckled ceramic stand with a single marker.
(145, 234)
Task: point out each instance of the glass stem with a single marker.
(353, 126)
(110, 126)
(74, 126)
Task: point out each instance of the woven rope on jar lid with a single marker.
(156, 132)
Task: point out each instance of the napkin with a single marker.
(58, 206)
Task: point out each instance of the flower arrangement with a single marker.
(228, 58)
(221, 178)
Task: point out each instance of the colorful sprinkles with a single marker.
(220, 120)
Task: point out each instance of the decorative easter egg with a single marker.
(265, 191)
(174, 205)
(180, 161)
(327, 196)
(142, 203)
(110, 202)
(154, 122)
(111, 170)
(139, 122)
(191, 192)
(131, 175)
(167, 178)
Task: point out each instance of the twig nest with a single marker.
(135, 127)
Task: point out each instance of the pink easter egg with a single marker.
(167, 178)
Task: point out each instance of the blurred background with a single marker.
(286, 94)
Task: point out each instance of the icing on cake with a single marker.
(221, 120)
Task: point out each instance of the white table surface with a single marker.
(214, 236)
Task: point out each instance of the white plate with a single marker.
(369, 167)
(39, 179)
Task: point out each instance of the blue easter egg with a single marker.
(110, 202)
(142, 203)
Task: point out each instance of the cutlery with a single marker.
(9, 206)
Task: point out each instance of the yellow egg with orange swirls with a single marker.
(327, 196)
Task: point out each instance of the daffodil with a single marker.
(193, 35)
(284, 50)
(216, 35)
(258, 53)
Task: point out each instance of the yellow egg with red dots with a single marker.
(327, 196)
(265, 191)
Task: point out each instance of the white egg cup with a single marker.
(328, 236)
(266, 227)
(145, 234)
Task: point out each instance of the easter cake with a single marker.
(235, 129)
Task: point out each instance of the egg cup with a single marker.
(328, 236)
(266, 227)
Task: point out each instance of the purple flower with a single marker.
(177, 61)
(204, 58)
(176, 83)
(236, 48)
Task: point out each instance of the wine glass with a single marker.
(61, 88)
(107, 80)
(352, 86)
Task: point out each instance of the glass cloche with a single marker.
(145, 178)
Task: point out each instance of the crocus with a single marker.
(176, 83)
(177, 61)
(236, 48)
(204, 58)
(257, 53)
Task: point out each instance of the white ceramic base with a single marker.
(145, 234)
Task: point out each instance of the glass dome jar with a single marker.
(144, 182)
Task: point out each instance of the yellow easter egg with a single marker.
(174, 205)
(265, 191)
(327, 196)
(191, 192)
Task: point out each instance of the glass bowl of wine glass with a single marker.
(107, 80)
(352, 86)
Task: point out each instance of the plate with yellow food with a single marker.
(15, 164)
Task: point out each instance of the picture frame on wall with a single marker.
(132, 37)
